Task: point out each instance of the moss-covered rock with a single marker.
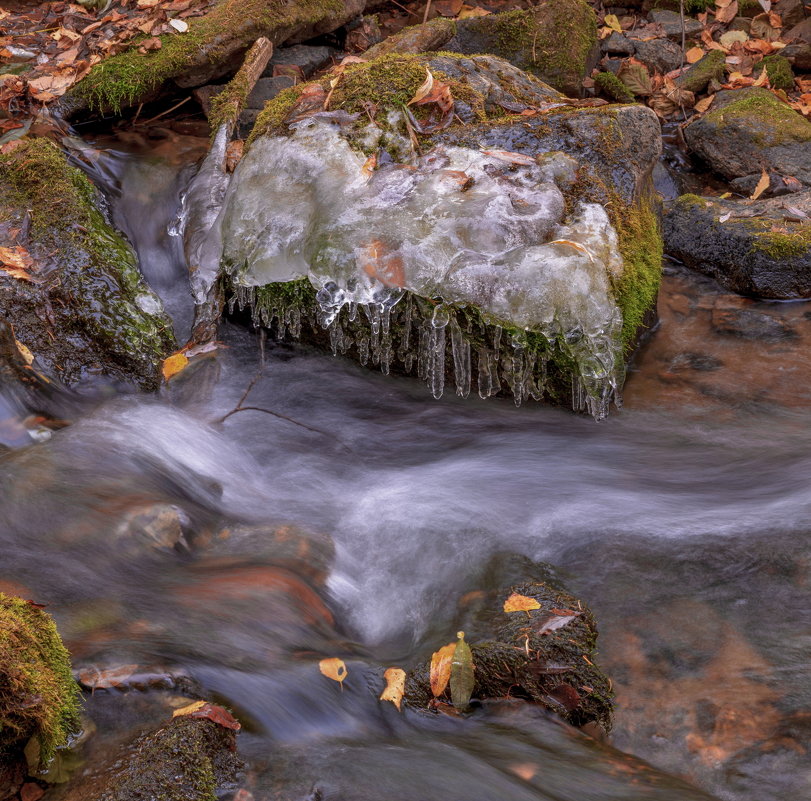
(698, 76)
(747, 130)
(753, 250)
(779, 71)
(610, 86)
(594, 157)
(87, 310)
(556, 41)
(39, 700)
(431, 35)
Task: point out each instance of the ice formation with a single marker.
(459, 226)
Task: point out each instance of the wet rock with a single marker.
(266, 89)
(308, 58)
(618, 44)
(750, 129)
(39, 704)
(751, 325)
(659, 55)
(672, 24)
(80, 304)
(556, 41)
(432, 35)
(591, 154)
(753, 250)
(188, 759)
(798, 50)
(698, 76)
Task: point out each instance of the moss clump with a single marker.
(227, 104)
(783, 246)
(271, 120)
(709, 67)
(131, 76)
(38, 696)
(771, 122)
(778, 68)
(610, 86)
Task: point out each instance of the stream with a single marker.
(158, 534)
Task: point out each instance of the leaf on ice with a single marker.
(173, 364)
(441, 668)
(462, 678)
(520, 603)
(333, 668)
(762, 184)
(510, 157)
(575, 245)
(395, 686)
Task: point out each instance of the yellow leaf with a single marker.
(189, 708)
(173, 364)
(472, 11)
(462, 674)
(395, 686)
(24, 351)
(576, 246)
(520, 603)
(424, 89)
(694, 54)
(334, 669)
(441, 668)
(762, 185)
(612, 22)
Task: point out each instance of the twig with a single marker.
(427, 12)
(168, 111)
(137, 113)
(410, 13)
(683, 35)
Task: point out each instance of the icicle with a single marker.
(461, 358)
(404, 352)
(488, 374)
(424, 351)
(335, 336)
(363, 350)
(496, 341)
(436, 346)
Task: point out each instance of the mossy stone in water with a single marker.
(38, 696)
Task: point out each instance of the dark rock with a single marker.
(671, 24)
(246, 121)
(798, 50)
(205, 94)
(618, 43)
(749, 324)
(308, 58)
(266, 89)
(791, 12)
(747, 130)
(659, 55)
(432, 35)
(743, 253)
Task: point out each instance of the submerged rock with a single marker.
(747, 130)
(79, 303)
(762, 249)
(447, 234)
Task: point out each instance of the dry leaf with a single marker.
(17, 262)
(762, 184)
(95, 679)
(180, 25)
(520, 603)
(702, 105)
(694, 54)
(612, 22)
(724, 217)
(24, 351)
(576, 246)
(424, 88)
(395, 686)
(216, 714)
(441, 668)
(510, 157)
(334, 669)
(188, 709)
(726, 14)
(473, 11)
(558, 621)
(173, 364)
(233, 154)
(636, 78)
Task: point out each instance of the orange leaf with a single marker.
(334, 669)
(395, 686)
(520, 603)
(441, 668)
(17, 262)
(762, 184)
(212, 712)
(694, 54)
(727, 13)
(703, 104)
(173, 364)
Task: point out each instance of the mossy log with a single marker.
(213, 46)
(522, 655)
(39, 700)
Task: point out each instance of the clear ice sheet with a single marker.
(458, 225)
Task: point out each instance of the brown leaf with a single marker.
(702, 105)
(173, 364)
(636, 78)
(727, 13)
(441, 668)
(95, 679)
(148, 45)
(378, 261)
(762, 184)
(520, 603)
(510, 157)
(233, 154)
(448, 8)
(212, 712)
(334, 669)
(17, 262)
(395, 686)
(472, 11)
(566, 696)
(792, 183)
(556, 622)
(31, 792)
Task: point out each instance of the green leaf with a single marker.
(462, 679)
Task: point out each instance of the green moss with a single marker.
(698, 76)
(610, 86)
(38, 696)
(778, 68)
(271, 120)
(131, 76)
(692, 200)
(781, 246)
(226, 105)
(771, 121)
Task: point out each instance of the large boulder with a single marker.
(459, 225)
(762, 249)
(555, 41)
(70, 283)
(747, 130)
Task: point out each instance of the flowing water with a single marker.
(344, 513)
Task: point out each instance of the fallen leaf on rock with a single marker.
(730, 37)
(173, 364)
(180, 25)
(724, 217)
(792, 183)
(510, 157)
(216, 714)
(333, 668)
(762, 184)
(462, 670)
(395, 686)
(31, 792)
(17, 262)
(694, 54)
(24, 351)
(448, 8)
(472, 11)
(795, 213)
(727, 13)
(636, 78)
(520, 603)
(556, 622)
(95, 679)
(566, 696)
(441, 668)
(702, 105)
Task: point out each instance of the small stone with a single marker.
(751, 325)
(266, 89)
(670, 22)
(307, 58)
(659, 55)
(618, 44)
